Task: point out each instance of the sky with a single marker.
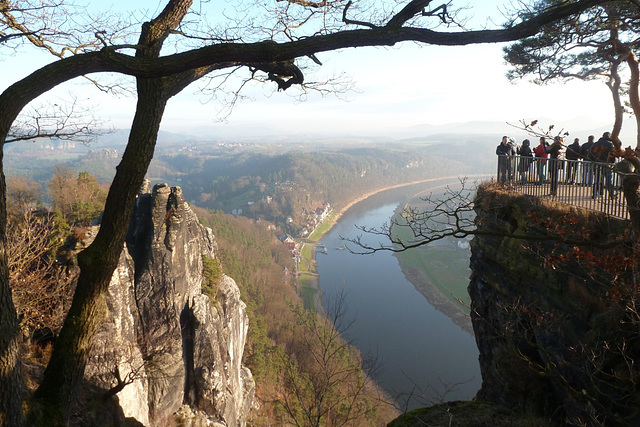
(394, 89)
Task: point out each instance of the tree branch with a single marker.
(413, 8)
(307, 3)
(352, 21)
(450, 216)
(62, 121)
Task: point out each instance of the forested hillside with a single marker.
(291, 185)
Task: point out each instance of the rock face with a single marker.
(168, 348)
(549, 334)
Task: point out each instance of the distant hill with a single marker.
(579, 127)
(219, 133)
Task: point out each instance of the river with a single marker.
(425, 357)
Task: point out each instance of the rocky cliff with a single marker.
(169, 354)
(557, 334)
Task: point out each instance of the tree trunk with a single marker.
(64, 373)
(634, 96)
(10, 368)
(614, 86)
(65, 370)
(631, 184)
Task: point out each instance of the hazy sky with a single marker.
(395, 88)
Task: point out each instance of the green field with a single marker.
(322, 228)
(308, 277)
(446, 268)
(306, 264)
(308, 291)
(444, 265)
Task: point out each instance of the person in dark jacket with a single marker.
(505, 152)
(587, 166)
(572, 155)
(555, 163)
(526, 158)
(600, 152)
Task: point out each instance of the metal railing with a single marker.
(590, 185)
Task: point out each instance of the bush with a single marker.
(211, 276)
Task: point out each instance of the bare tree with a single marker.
(66, 121)
(450, 215)
(49, 26)
(22, 195)
(331, 384)
(159, 77)
(41, 286)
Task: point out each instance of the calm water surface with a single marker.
(422, 351)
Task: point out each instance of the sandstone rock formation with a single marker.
(169, 351)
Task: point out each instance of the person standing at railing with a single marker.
(526, 157)
(555, 164)
(541, 156)
(601, 151)
(505, 152)
(587, 166)
(572, 155)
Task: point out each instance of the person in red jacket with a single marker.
(541, 154)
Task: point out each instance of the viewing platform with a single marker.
(585, 184)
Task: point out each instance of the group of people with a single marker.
(595, 171)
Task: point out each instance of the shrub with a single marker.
(211, 276)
